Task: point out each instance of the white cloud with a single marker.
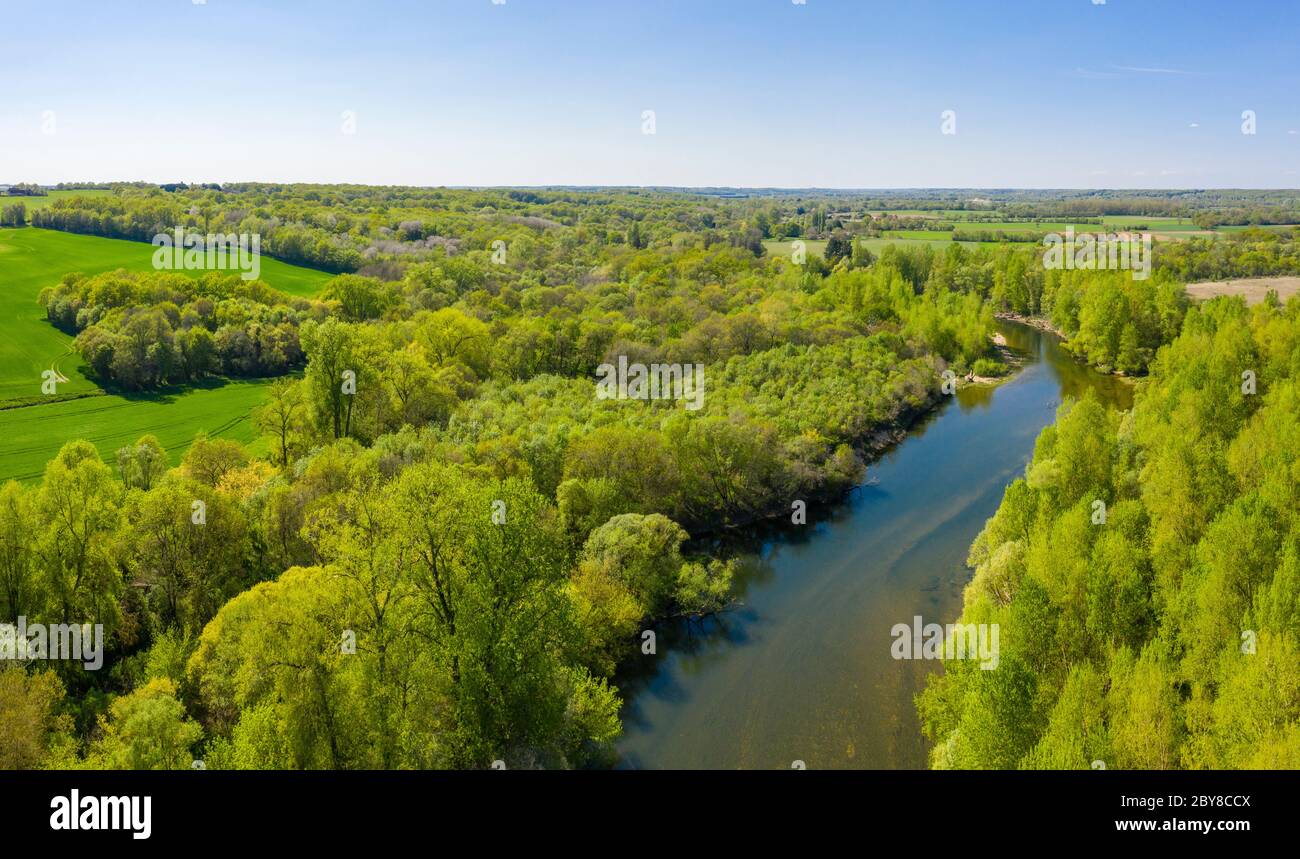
(1153, 70)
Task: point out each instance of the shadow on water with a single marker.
(800, 668)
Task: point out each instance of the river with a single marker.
(801, 669)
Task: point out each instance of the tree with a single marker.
(333, 348)
(838, 247)
(13, 215)
(283, 416)
(491, 596)
(189, 566)
(1144, 714)
(209, 459)
(30, 722)
(420, 394)
(634, 237)
(643, 552)
(79, 510)
(704, 588)
(360, 298)
(143, 463)
(18, 552)
(146, 730)
(639, 462)
(450, 337)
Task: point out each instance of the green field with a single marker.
(938, 214)
(783, 247)
(1161, 228)
(32, 259)
(32, 430)
(31, 436)
(33, 203)
(1273, 227)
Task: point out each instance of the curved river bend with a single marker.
(802, 669)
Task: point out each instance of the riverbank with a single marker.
(879, 440)
(1013, 360)
(1039, 322)
(801, 668)
(1043, 324)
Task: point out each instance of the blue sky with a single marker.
(832, 93)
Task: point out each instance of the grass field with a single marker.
(780, 247)
(32, 259)
(33, 203)
(32, 432)
(31, 436)
(1272, 227)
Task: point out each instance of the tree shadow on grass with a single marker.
(170, 393)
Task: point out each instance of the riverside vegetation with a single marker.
(450, 543)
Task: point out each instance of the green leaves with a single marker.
(1178, 606)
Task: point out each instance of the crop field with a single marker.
(32, 426)
(937, 240)
(1271, 227)
(31, 436)
(1252, 289)
(33, 203)
(32, 259)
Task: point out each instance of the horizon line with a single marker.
(670, 187)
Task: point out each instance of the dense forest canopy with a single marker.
(1146, 572)
(445, 544)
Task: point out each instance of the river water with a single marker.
(801, 669)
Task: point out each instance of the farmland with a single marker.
(33, 428)
(981, 224)
(50, 198)
(938, 241)
(1253, 290)
(30, 436)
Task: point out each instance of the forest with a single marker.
(444, 547)
(449, 544)
(1146, 572)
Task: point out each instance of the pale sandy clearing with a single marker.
(1252, 288)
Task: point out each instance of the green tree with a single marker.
(142, 464)
(146, 730)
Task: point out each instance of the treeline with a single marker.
(1248, 253)
(1145, 573)
(140, 218)
(13, 215)
(1254, 216)
(966, 235)
(384, 231)
(146, 330)
(1110, 319)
